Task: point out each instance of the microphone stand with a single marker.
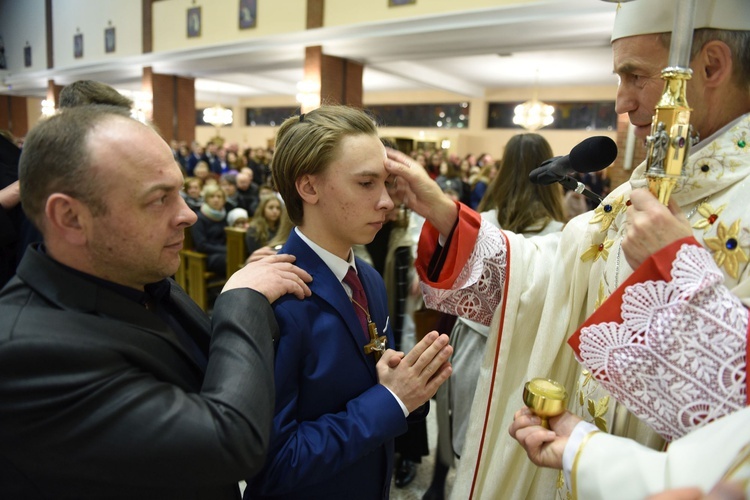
(570, 183)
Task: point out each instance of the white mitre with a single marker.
(643, 17)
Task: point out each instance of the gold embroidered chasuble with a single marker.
(536, 292)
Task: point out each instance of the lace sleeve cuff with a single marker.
(476, 287)
(670, 343)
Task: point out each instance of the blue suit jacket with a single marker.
(334, 425)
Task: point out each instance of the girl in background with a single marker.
(515, 204)
(265, 224)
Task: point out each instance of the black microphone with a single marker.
(591, 155)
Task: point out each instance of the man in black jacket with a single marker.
(11, 215)
(16, 230)
(107, 387)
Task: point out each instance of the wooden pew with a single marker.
(235, 249)
(193, 275)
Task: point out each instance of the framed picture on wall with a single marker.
(78, 45)
(248, 12)
(3, 61)
(27, 56)
(393, 3)
(109, 39)
(194, 22)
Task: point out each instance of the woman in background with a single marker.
(512, 202)
(264, 225)
(191, 193)
(208, 231)
(274, 244)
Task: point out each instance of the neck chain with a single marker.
(696, 207)
(377, 344)
(367, 313)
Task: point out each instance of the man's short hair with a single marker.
(85, 92)
(307, 144)
(737, 41)
(56, 159)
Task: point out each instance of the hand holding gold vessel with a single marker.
(546, 398)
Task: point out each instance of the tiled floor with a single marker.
(416, 489)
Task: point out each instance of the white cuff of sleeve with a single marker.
(580, 431)
(400, 403)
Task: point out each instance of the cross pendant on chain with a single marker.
(377, 344)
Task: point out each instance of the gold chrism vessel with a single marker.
(546, 398)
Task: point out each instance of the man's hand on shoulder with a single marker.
(259, 254)
(415, 378)
(273, 276)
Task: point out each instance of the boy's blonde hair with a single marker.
(307, 144)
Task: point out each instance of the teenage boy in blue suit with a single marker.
(338, 407)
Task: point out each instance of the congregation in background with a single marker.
(241, 178)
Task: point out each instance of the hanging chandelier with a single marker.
(218, 116)
(533, 115)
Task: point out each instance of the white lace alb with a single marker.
(677, 361)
